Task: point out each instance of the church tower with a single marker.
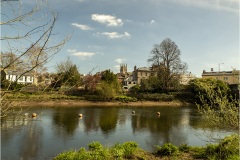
(123, 68)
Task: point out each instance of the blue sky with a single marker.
(107, 33)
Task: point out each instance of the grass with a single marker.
(55, 95)
(39, 96)
(97, 152)
(227, 149)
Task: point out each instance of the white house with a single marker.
(185, 78)
(12, 76)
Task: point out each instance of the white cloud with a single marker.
(115, 35)
(107, 19)
(120, 60)
(81, 26)
(152, 21)
(82, 55)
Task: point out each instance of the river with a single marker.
(58, 129)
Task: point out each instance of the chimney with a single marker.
(211, 69)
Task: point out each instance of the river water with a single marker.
(59, 129)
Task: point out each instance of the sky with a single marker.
(107, 33)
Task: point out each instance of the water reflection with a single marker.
(66, 120)
(26, 131)
(108, 120)
(161, 128)
(60, 129)
(31, 141)
(90, 120)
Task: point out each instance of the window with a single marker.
(146, 74)
(225, 78)
(25, 78)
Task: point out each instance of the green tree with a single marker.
(152, 84)
(165, 58)
(106, 91)
(67, 75)
(203, 88)
(216, 103)
(108, 86)
(110, 78)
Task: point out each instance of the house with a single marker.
(185, 78)
(27, 78)
(129, 79)
(230, 77)
(142, 73)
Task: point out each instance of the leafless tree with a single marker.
(166, 58)
(29, 38)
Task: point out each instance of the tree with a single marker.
(106, 91)
(91, 81)
(27, 37)
(67, 75)
(33, 56)
(38, 48)
(152, 84)
(203, 88)
(8, 58)
(165, 57)
(216, 103)
(108, 86)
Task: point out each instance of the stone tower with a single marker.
(123, 68)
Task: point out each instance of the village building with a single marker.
(12, 76)
(186, 77)
(230, 77)
(129, 79)
(142, 73)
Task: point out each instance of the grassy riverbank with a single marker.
(227, 149)
(54, 99)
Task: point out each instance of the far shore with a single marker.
(83, 103)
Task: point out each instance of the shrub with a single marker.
(82, 154)
(5, 84)
(210, 151)
(125, 99)
(97, 151)
(106, 91)
(184, 148)
(167, 149)
(95, 146)
(69, 155)
(92, 97)
(155, 97)
(228, 147)
(129, 148)
(117, 151)
(124, 150)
